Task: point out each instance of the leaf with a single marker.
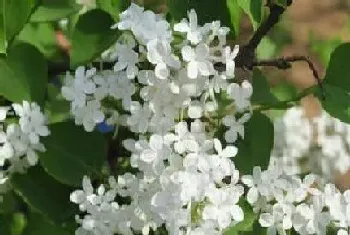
(17, 13)
(254, 9)
(235, 14)
(2, 28)
(256, 147)
(113, 7)
(72, 153)
(43, 37)
(38, 225)
(50, 10)
(338, 71)
(262, 94)
(248, 222)
(43, 194)
(92, 35)
(29, 65)
(336, 103)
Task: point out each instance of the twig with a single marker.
(286, 63)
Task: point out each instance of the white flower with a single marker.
(311, 219)
(280, 219)
(145, 25)
(236, 127)
(229, 59)
(194, 32)
(127, 59)
(253, 182)
(240, 94)
(139, 119)
(89, 115)
(198, 60)
(78, 87)
(159, 53)
(32, 121)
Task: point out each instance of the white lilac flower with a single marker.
(139, 119)
(194, 33)
(145, 25)
(229, 60)
(89, 115)
(159, 53)
(32, 121)
(236, 127)
(77, 87)
(240, 94)
(127, 59)
(198, 59)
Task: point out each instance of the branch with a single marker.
(246, 56)
(286, 63)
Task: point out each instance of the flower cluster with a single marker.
(21, 142)
(321, 143)
(285, 202)
(164, 91)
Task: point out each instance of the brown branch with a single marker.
(286, 63)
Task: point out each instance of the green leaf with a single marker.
(57, 109)
(5, 224)
(113, 7)
(2, 28)
(262, 94)
(247, 223)
(338, 71)
(337, 102)
(256, 147)
(17, 13)
(43, 37)
(72, 153)
(25, 70)
(50, 10)
(254, 9)
(235, 14)
(39, 225)
(43, 194)
(92, 36)
(29, 65)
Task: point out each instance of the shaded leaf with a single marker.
(256, 147)
(92, 35)
(43, 193)
(72, 153)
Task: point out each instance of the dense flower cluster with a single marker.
(20, 142)
(321, 144)
(167, 93)
(186, 179)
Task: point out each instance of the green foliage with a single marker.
(338, 71)
(113, 7)
(43, 37)
(12, 224)
(39, 225)
(25, 69)
(72, 153)
(262, 94)
(43, 194)
(92, 35)
(235, 15)
(337, 102)
(254, 9)
(255, 148)
(17, 13)
(49, 10)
